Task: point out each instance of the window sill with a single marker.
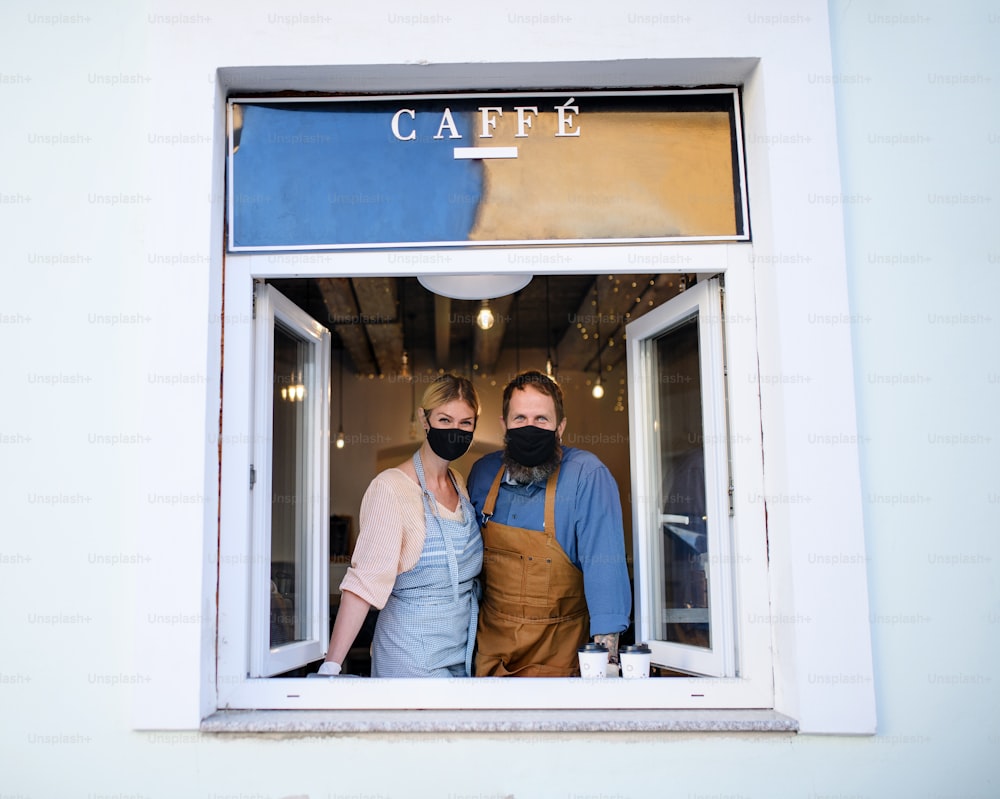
(312, 722)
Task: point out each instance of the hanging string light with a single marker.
(340, 388)
(549, 366)
(413, 401)
(598, 390)
(517, 335)
(404, 366)
(620, 401)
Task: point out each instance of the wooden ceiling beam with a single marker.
(344, 314)
(442, 331)
(379, 315)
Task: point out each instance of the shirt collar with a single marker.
(530, 488)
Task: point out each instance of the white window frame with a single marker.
(752, 688)
(312, 508)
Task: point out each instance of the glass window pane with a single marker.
(288, 480)
(683, 599)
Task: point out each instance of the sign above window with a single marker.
(486, 169)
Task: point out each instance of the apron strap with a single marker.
(489, 505)
(430, 501)
(470, 645)
(430, 512)
(550, 503)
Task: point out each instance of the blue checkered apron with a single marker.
(428, 625)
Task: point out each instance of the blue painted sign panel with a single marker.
(487, 169)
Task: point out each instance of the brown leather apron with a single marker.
(533, 615)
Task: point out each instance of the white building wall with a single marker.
(110, 310)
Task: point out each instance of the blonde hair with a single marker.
(450, 387)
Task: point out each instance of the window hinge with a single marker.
(732, 494)
(253, 477)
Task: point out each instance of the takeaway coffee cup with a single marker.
(593, 661)
(635, 661)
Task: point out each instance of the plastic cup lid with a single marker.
(638, 649)
(592, 647)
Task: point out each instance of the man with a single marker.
(554, 569)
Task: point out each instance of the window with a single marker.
(773, 586)
(689, 606)
(689, 598)
(289, 544)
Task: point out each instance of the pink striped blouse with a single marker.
(391, 534)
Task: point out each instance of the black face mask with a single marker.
(530, 446)
(449, 443)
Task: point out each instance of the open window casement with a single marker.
(289, 591)
(681, 484)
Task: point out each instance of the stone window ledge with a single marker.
(312, 722)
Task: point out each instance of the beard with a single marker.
(526, 475)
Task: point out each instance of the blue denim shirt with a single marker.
(588, 527)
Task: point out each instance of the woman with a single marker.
(418, 552)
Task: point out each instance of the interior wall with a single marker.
(377, 427)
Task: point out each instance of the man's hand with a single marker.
(610, 640)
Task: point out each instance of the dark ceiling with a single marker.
(376, 319)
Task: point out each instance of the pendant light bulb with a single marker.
(598, 390)
(485, 317)
(340, 390)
